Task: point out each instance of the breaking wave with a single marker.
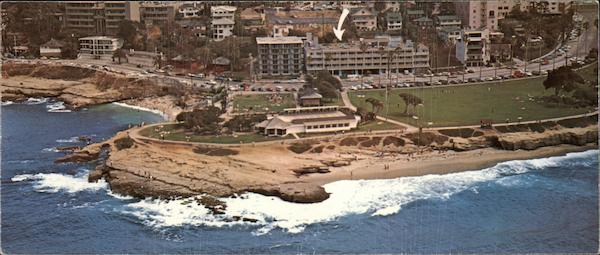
(54, 182)
(57, 107)
(373, 197)
(33, 100)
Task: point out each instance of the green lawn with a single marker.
(468, 104)
(376, 125)
(262, 103)
(177, 133)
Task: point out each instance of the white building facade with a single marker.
(309, 120)
(99, 47)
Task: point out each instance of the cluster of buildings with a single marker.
(292, 28)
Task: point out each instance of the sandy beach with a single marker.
(437, 163)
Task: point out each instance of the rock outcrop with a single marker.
(532, 141)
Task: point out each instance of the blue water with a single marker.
(543, 206)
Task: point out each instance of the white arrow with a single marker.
(339, 31)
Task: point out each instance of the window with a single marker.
(321, 126)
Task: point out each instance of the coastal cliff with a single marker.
(81, 87)
(295, 170)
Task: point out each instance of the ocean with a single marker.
(547, 205)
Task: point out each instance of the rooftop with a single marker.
(447, 17)
(223, 8)
(393, 16)
(99, 37)
(279, 40)
(223, 21)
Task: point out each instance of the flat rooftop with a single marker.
(279, 40)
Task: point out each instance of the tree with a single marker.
(118, 54)
(376, 105)
(202, 121)
(129, 31)
(410, 100)
(244, 123)
(563, 78)
(379, 6)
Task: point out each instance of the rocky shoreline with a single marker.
(80, 87)
(148, 168)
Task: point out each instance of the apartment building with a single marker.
(191, 10)
(99, 47)
(549, 6)
(222, 28)
(471, 47)
(447, 21)
(160, 14)
(280, 56)
(223, 11)
(364, 19)
(482, 14)
(99, 17)
(223, 21)
(393, 21)
(349, 58)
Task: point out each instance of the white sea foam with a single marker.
(53, 149)
(73, 139)
(54, 182)
(7, 103)
(33, 100)
(162, 114)
(374, 197)
(57, 107)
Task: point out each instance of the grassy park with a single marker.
(263, 102)
(176, 132)
(468, 104)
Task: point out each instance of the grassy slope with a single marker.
(258, 103)
(468, 104)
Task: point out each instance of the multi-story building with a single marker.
(394, 21)
(222, 28)
(449, 34)
(99, 17)
(223, 11)
(191, 10)
(413, 14)
(471, 47)
(99, 47)
(252, 19)
(315, 22)
(446, 21)
(157, 13)
(280, 55)
(548, 6)
(223, 21)
(342, 58)
(480, 14)
(364, 19)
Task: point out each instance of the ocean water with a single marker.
(547, 205)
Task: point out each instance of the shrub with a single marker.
(348, 141)
(374, 141)
(318, 149)
(124, 143)
(396, 141)
(299, 147)
(215, 151)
